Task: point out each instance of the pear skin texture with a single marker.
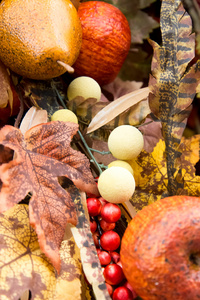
(34, 35)
(160, 250)
(106, 41)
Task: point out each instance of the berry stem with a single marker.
(80, 134)
(99, 231)
(100, 152)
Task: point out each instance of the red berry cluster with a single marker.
(103, 218)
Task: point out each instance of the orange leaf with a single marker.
(43, 154)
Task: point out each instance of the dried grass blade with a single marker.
(115, 108)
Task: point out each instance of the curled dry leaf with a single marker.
(34, 116)
(43, 154)
(24, 267)
(6, 95)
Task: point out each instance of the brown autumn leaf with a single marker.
(39, 93)
(6, 95)
(24, 267)
(6, 154)
(173, 83)
(193, 8)
(119, 87)
(42, 154)
(152, 133)
(76, 3)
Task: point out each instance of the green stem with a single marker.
(89, 151)
(100, 152)
(80, 134)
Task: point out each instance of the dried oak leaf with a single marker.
(43, 154)
(24, 267)
(150, 172)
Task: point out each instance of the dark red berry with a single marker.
(115, 256)
(110, 240)
(122, 293)
(113, 274)
(128, 286)
(104, 258)
(111, 212)
(106, 226)
(109, 288)
(93, 226)
(94, 206)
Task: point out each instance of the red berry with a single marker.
(128, 286)
(94, 206)
(122, 293)
(113, 274)
(111, 212)
(98, 250)
(119, 263)
(109, 288)
(110, 240)
(115, 256)
(106, 226)
(93, 226)
(104, 258)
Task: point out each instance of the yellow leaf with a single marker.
(24, 267)
(150, 172)
(68, 284)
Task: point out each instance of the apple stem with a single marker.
(67, 67)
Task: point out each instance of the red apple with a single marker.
(160, 249)
(106, 41)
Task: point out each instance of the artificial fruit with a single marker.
(106, 41)
(160, 250)
(35, 36)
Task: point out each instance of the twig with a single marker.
(21, 109)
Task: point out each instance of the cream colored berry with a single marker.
(65, 115)
(85, 87)
(125, 142)
(121, 163)
(116, 184)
